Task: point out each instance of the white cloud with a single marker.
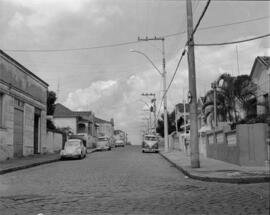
(16, 20)
(92, 96)
(43, 12)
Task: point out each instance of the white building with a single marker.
(23, 104)
(260, 74)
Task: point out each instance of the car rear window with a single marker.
(150, 138)
(73, 143)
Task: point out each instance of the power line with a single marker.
(232, 42)
(199, 21)
(189, 39)
(178, 64)
(187, 43)
(131, 42)
(73, 49)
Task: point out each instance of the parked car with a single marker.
(119, 143)
(74, 148)
(103, 143)
(150, 143)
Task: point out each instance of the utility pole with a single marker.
(155, 113)
(153, 101)
(162, 39)
(195, 160)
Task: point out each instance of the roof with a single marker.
(63, 111)
(263, 60)
(98, 120)
(22, 67)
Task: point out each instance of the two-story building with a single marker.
(260, 74)
(104, 128)
(23, 104)
(77, 122)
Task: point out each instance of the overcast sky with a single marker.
(109, 81)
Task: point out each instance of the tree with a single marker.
(171, 123)
(208, 107)
(233, 95)
(51, 98)
(245, 93)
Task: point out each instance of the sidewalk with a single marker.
(216, 171)
(30, 161)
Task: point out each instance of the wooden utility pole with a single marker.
(194, 142)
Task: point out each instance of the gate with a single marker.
(18, 133)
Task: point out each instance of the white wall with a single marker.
(66, 122)
(53, 142)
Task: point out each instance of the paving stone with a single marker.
(123, 181)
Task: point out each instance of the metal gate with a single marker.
(18, 133)
(36, 130)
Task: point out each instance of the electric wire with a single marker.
(184, 51)
(232, 42)
(131, 42)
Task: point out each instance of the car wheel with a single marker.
(143, 151)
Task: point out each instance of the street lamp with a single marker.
(163, 75)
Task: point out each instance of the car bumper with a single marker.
(150, 150)
(70, 155)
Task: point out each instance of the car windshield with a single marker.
(102, 139)
(150, 138)
(73, 143)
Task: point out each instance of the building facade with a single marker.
(77, 122)
(23, 107)
(104, 128)
(260, 74)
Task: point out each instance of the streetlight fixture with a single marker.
(163, 75)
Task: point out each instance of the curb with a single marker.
(4, 171)
(13, 169)
(246, 180)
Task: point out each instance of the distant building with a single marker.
(260, 74)
(104, 128)
(77, 122)
(23, 107)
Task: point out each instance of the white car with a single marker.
(150, 143)
(74, 148)
(103, 143)
(119, 143)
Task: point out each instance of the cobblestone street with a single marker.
(123, 181)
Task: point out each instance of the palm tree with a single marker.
(233, 93)
(208, 107)
(225, 84)
(245, 93)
